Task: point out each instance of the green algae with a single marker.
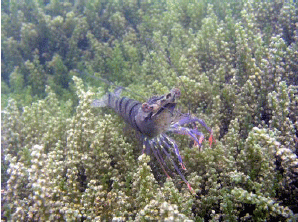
(237, 68)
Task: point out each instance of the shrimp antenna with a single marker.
(168, 59)
(108, 83)
(147, 48)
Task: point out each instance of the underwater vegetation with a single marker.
(235, 63)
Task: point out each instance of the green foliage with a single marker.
(236, 66)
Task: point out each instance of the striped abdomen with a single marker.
(125, 107)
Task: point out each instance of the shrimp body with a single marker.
(153, 119)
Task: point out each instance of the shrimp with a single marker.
(153, 119)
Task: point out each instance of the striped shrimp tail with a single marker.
(104, 101)
(125, 107)
(100, 102)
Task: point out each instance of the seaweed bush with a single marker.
(236, 66)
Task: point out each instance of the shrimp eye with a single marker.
(146, 108)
